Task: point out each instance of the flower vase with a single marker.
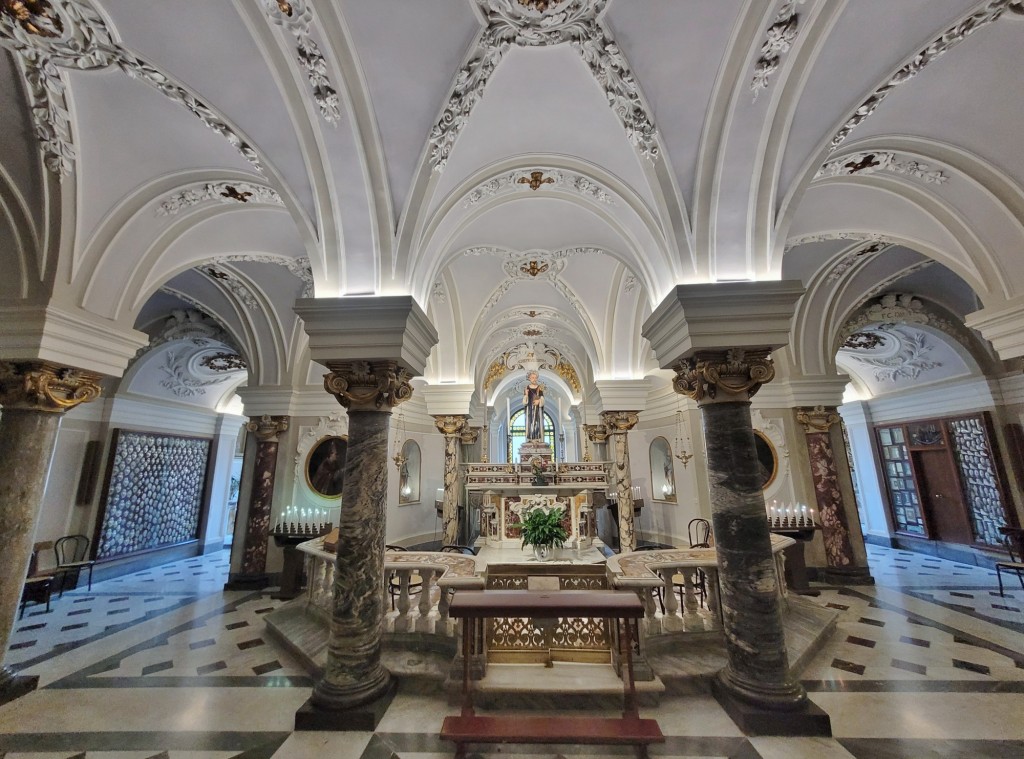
(544, 553)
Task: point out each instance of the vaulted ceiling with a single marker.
(535, 173)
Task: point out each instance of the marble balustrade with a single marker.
(425, 612)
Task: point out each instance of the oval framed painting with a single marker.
(325, 466)
(767, 459)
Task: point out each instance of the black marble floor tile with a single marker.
(247, 644)
(149, 669)
(848, 666)
(137, 740)
(84, 600)
(118, 599)
(1005, 608)
(965, 641)
(76, 626)
(29, 628)
(76, 612)
(269, 666)
(119, 611)
(151, 600)
(860, 641)
(841, 607)
(22, 644)
(869, 621)
(909, 666)
(236, 625)
(208, 668)
(202, 644)
(971, 666)
(263, 611)
(914, 641)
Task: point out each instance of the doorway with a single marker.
(941, 497)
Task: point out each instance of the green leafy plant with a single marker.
(542, 528)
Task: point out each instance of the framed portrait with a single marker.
(663, 480)
(409, 474)
(325, 466)
(767, 459)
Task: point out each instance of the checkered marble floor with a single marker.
(928, 663)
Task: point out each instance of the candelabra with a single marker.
(790, 517)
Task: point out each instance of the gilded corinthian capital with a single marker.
(42, 386)
(368, 385)
(817, 419)
(267, 428)
(619, 421)
(723, 375)
(450, 425)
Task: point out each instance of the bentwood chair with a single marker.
(37, 587)
(71, 552)
(699, 532)
(395, 581)
(1015, 563)
(453, 548)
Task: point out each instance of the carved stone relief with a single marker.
(949, 38)
(61, 34)
(778, 40)
(218, 192)
(523, 180)
(874, 162)
(295, 16)
(538, 24)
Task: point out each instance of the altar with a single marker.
(509, 495)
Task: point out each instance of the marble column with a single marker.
(452, 427)
(34, 396)
(823, 430)
(722, 383)
(618, 424)
(252, 572)
(353, 675)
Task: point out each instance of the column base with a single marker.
(846, 575)
(14, 686)
(239, 581)
(807, 718)
(362, 718)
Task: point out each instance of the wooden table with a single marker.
(474, 606)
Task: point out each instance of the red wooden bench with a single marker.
(473, 606)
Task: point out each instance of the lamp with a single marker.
(683, 455)
(399, 457)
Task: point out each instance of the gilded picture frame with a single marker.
(767, 459)
(325, 466)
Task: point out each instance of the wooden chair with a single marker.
(453, 548)
(395, 582)
(38, 587)
(1014, 565)
(71, 552)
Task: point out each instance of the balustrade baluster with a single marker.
(715, 617)
(672, 621)
(692, 620)
(424, 623)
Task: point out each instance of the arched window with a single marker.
(518, 430)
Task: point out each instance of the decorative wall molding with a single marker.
(218, 192)
(223, 362)
(778, 40)
(898, 308)
(232, 283)
(880, 160)
(849, 260)
(630, 283)
(909, 361)
(299, 267)
(948, 39)
(438, 291)
(71, 34)
(180, 381)
(892, 279)
(539, 24)
(191, 325)
(295, 16)
(863, 341)
(335, 424)
(825, 236)
(771, 429)
(520, 181)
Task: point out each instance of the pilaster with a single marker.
(617, 425)
(454, 428)
(833, 493)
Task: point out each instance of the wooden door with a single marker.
(941, 498)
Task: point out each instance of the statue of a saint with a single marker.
(533, 403)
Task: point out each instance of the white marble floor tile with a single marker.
(799, 748)
(935, 716)
(307, 745)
